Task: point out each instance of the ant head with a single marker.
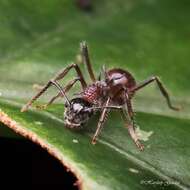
(77, 113)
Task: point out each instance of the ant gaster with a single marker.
(114, 89)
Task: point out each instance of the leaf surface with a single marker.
(147, 38)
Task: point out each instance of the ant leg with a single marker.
(59, 76)
(110, 107)
(25, 107)
(62, 74)
(41, 107)
(51, 82)
(161, 87)
(130, 122)
(101, 122)
(65, 89)
(86, 60)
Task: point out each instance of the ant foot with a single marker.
(176, 108)
(41, 107)
(93, 141)
(24, 108)
(139, 145)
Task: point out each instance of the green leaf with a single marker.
(147, 38)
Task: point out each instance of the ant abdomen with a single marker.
(119, 79)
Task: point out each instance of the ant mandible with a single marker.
(114, 90)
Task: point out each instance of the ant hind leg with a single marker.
(161, 87)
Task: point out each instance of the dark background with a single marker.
(22, 159)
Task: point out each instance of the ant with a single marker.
(114, 89)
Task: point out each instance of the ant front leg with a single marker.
(101, 121)
(130, 122)
(161, 87)
(58, 77)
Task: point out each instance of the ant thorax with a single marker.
(77, 113)
(95, 93)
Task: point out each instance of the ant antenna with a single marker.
(62, 92)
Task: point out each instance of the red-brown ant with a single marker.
(114, 91)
